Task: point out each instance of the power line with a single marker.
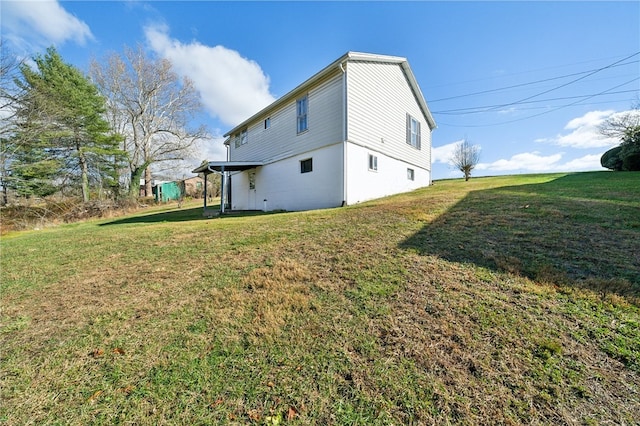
(604, 92)
(481, 109)
(457, 83)
(573, 81)
(531, 83)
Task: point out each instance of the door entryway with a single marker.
(252, 190)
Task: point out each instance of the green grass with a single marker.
(509, 299)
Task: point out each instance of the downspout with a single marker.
(222, 189)
(344, 134)
(222, 180)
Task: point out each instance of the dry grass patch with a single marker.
(274, 293)
(453, 305)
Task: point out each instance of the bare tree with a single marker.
(621, 125)
(465, 157)
(10, 95)
(151, 107)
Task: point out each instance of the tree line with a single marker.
(92, 135)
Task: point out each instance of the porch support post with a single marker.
(205, 192)
(222, 188)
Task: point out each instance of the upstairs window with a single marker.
(241, 138)
(267, 123)
(302, 107)
(306, 166)
(413, 132)
(373, 162)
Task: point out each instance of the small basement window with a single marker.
(373, 162)
(306, 166)
(410, 174)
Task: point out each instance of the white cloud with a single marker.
(527, 161)
(211, 150)
(442, 154)
(27, 24)
(584, 132)
(590, 119)
(507, 111)
(588, 162)
(537, 163)
(232, 87)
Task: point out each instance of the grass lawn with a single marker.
(502, 300)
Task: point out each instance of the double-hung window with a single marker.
(241, 138)
(302, 109)
(413, 132)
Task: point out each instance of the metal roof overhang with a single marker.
(226, 166)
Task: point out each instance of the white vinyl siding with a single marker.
(367, 101)
(324, 120)
(284, 188)
(362, 185)
(379, 99)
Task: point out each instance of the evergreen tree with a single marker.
(61, 124)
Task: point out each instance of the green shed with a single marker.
(167, 191)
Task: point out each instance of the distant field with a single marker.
(504, 300)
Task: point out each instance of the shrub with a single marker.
(611, 159)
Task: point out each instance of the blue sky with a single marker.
(527, 81)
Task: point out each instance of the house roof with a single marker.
(226, 166)
(349, 56)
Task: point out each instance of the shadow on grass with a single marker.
(186, 215)
(181, 215)
(580, 230)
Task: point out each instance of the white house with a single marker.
(357, 130)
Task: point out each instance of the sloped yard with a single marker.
(500, 300)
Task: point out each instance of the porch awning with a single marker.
(226, 166)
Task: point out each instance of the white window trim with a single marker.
(413, 132)
(302, 117)
(411, 174)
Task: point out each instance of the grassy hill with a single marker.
(500, 300)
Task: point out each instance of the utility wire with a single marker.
(481, 109)
(457, 83)
(570, 82)
(531, 83)
(604, 92)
